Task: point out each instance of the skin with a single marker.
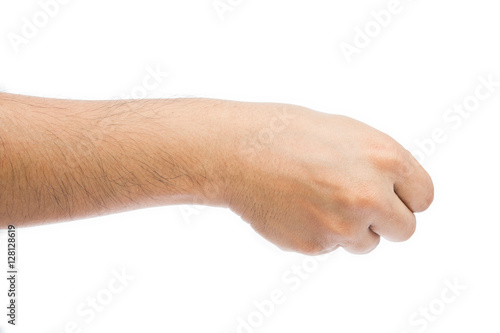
(307, 181)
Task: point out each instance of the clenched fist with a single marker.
(321, 181)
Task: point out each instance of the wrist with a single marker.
(203, 144)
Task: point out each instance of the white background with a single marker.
(201, 269)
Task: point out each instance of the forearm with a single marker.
(63, 160)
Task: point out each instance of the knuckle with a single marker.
(403, 167)
(426, 198)
(372, 246)
(402, 225)
(383, 144)
(382, 148)
(363, 247)
(324, 239)
(311, 248)
(409, 228)
(389, 155)
(346, 232)
(361, 197)
(429, 195)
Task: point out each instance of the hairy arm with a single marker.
(63, 160)
(307, 181)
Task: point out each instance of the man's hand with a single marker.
(305, 180)
(321, 181)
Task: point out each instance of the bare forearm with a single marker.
(63, 160)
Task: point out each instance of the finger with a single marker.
(328, 250)
(364, 242)
(395, 222)
(413, 185)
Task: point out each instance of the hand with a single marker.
(320, 181)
